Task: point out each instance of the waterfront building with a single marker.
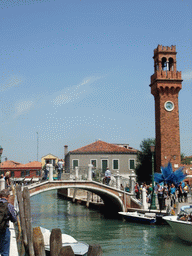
(18, 171)
(117, 157)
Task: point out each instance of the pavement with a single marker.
(177, 204)
(13, 244)
(168, 208)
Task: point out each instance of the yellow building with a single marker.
(51, 158)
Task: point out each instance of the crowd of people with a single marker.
(165, 192)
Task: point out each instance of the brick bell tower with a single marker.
(165, 85)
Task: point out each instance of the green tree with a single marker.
(144, 161)
(186, 159)
(182, 156)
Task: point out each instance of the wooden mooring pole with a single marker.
(66, 251)
(38, 242)
(27, 212)
(55, 242)
(95, 250)
(21, 214)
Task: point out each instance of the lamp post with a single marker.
(1, 152)
(153, 196)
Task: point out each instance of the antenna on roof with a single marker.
(37, 145)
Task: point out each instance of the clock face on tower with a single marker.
(169, 106)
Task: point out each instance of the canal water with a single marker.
(116, 237)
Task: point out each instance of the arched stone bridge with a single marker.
(114, 199)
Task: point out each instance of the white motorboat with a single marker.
(181, 223)
(147, 218)
(79, 248)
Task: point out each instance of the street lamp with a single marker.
(153, 196)
(1, 152)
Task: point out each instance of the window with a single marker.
(94, 163)
(38, 173)
(22, 174)
(132, 164)
(12, 174)
(75, 163)
(27, 172)
(104, 165)
(115, 164)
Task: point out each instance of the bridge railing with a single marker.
(95, 174)
(77, 173)
(83, 173)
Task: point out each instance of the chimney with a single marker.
(65, 150)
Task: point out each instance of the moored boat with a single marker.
(147, 218)
(79, 248)
(182, 223)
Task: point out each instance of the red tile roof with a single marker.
(15, 165)
(9, 164)
(33, 164)
(101, 147)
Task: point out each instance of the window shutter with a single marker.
(115, 164)
(132, 164)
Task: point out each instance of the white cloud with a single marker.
(73, 92)
(58, 99)
(62, 99)
(187, 75)
(13, 81)
(23, 107)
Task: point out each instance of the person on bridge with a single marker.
(7, 213)
(107, 176)
(60, 168)
(46, 171)
(7, 180)
(2, 182)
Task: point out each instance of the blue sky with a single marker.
(79, 70)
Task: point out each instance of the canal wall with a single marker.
(81, 197)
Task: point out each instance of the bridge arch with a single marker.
(110, 196)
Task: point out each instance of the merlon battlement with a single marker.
(167, 49)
